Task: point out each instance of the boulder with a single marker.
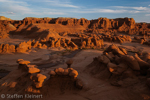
(59, 71)
(121, 68)
(6, 48)
(52, 73)
(19, 60)
(66, 72)
(41, 77)
(22, 48)
(130, 61)
(115, 50)
(69, 62)
(104, 59)
(38, 80)
(73, 73)
(142, 63)
(144, 66)
(32, 70)
(24, 62)
(12, 49)
(142, 41)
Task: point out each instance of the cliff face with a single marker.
(126, 25)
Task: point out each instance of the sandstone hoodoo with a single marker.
(121, 69)
(74, 59)
(69, 62)
(38, 81)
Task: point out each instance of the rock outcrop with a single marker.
(119, 67)
(72, 25)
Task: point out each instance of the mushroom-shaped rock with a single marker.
(24, 62)
(52, 73)
(69, 62)
(32, 69)
(73, 73)
(59, 71)
(41, 77)
(19, 60)
(131, 62)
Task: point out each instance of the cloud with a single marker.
(12, 13)
(98, 11)
(14, 6)
(136, 8)
(148, 5)
(59, 3)
(23, 8)
(147, 14)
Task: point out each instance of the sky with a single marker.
(89, 9)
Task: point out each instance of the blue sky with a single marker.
(89, 9)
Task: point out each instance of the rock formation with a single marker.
(119, 67)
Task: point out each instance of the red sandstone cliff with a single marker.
(73, 25)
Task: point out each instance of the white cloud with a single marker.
(14, 6)
(58, 3)
(98, 11)
(148, 5)
(136, 8)
(139, 8)
(22, 8)
(133, 9)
